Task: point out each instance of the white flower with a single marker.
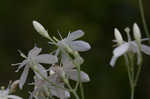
(4, 94)
(34, 59)
(73, 43)
(130, 46)
(43, 89)
(68, 69)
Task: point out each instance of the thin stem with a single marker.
(130, 71)
(132, 91)
(71, 89)
(132, 74)
(139, 64)
(132, 66)
(77, 85)
(80, 83)
(143, 19)
(138, 74)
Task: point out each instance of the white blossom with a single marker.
(43, 89)
(130, 46)
(34, 59)
(73, 43)
(69, 70)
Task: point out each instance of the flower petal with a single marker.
(120, 50)
(146, 49)
(42, 70)
(21, 65)
(23, 77)
(46, 59)
(14, 97)
(75, 35)
(60, 93)
(67, 64)
(113, 61)
(80, 46)
(133, 47)
(73, 74)
(34, 52)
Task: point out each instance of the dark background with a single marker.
(97, 18)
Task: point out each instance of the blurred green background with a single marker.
(97, 18)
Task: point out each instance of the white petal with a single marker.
(120, 50)
(35, 51)
(60, 93)
(133, 47)
(46, 59)
(80, 46)
(67, 94)
(73, 74)
(23, 77)
(14, 97)
(75, 35)
(146, 49)
(113, 61)
(21, 65)
(42, 70)
(67, 64)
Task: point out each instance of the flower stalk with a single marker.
(143, 19)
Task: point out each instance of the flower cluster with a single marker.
(64, 66)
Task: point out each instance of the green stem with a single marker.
(131, 58)
(132, 91)
(139, 64)
(138, 74)
(143, 19)
(132, 74)
(130, 70)
(80, 83)
(71, 89)
(77, 85)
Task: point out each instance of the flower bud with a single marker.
(40, 29)
(118, 36)
(137, 33)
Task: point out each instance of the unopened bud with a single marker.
(40, 29)
(118, 36)
(137, 32)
